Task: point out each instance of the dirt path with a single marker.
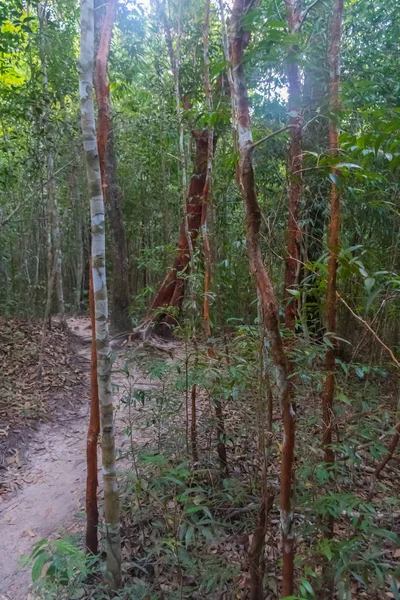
(54, 492)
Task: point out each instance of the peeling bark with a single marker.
(333, 243)
(239, 41)
(171, 290)
(331, 300)
(108, 167)
(111, 494)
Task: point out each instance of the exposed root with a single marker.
(150, 335)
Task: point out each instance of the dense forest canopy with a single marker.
(217, 184)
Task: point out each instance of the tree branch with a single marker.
(24, 202)
(306, 11)
(376, 336)
(269, 136)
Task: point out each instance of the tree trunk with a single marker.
(256, 550)
(331, 301)
(76, 201)
(295, 164)
(108, 167)
(208, 259)
(53, 216)
(92, 512)
(111, 495)
(171, 291)
(333, 243)
(207, 190)
(50, 285)
(239, 41)
(315, 191)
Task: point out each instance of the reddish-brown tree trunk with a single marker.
(270, 309)
(92, 513)
(331, 300)
(293, 9)
(171, 290)
(333, 242)
(108, 168)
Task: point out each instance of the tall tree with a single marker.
(54, 236)
(207, 212)
(294, 18)
(108, 166)
(239, 41)
(111, 494)
(333, 243)
(334, 227)
(171, 291)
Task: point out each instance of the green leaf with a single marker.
(369, 283)
(347, 165)
(189, 535)
(38, 566)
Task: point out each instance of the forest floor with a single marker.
(43, 474)
(186, 530)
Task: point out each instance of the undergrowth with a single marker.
(187, 530)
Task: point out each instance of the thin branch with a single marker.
(355, 315)
(24, 202)
(306, 11)
(376, 336)
(269, 136)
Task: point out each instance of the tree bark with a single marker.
(111, 494)
(295, 164)
(92, 512)
(171, 290)
(207, 190)
(208, 258)
(331, 300)
(53, 216)
(333, 243)
(315, 191)
(239, 41)
(256, 550)
(108, 167)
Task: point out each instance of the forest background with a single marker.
(225, 134)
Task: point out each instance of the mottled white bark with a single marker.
(111, 494)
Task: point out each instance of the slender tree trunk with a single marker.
(225, 42)
(108, 167)
(239, 41)
(207, 190)
(295, 163)
(333, 242)
(206, 211)
(55, 237)
(111, 494)
(174, 58)
(256, 550)
(92, 512)
(79, 254)
(315, 191)
(50, 286)
(331, 301)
